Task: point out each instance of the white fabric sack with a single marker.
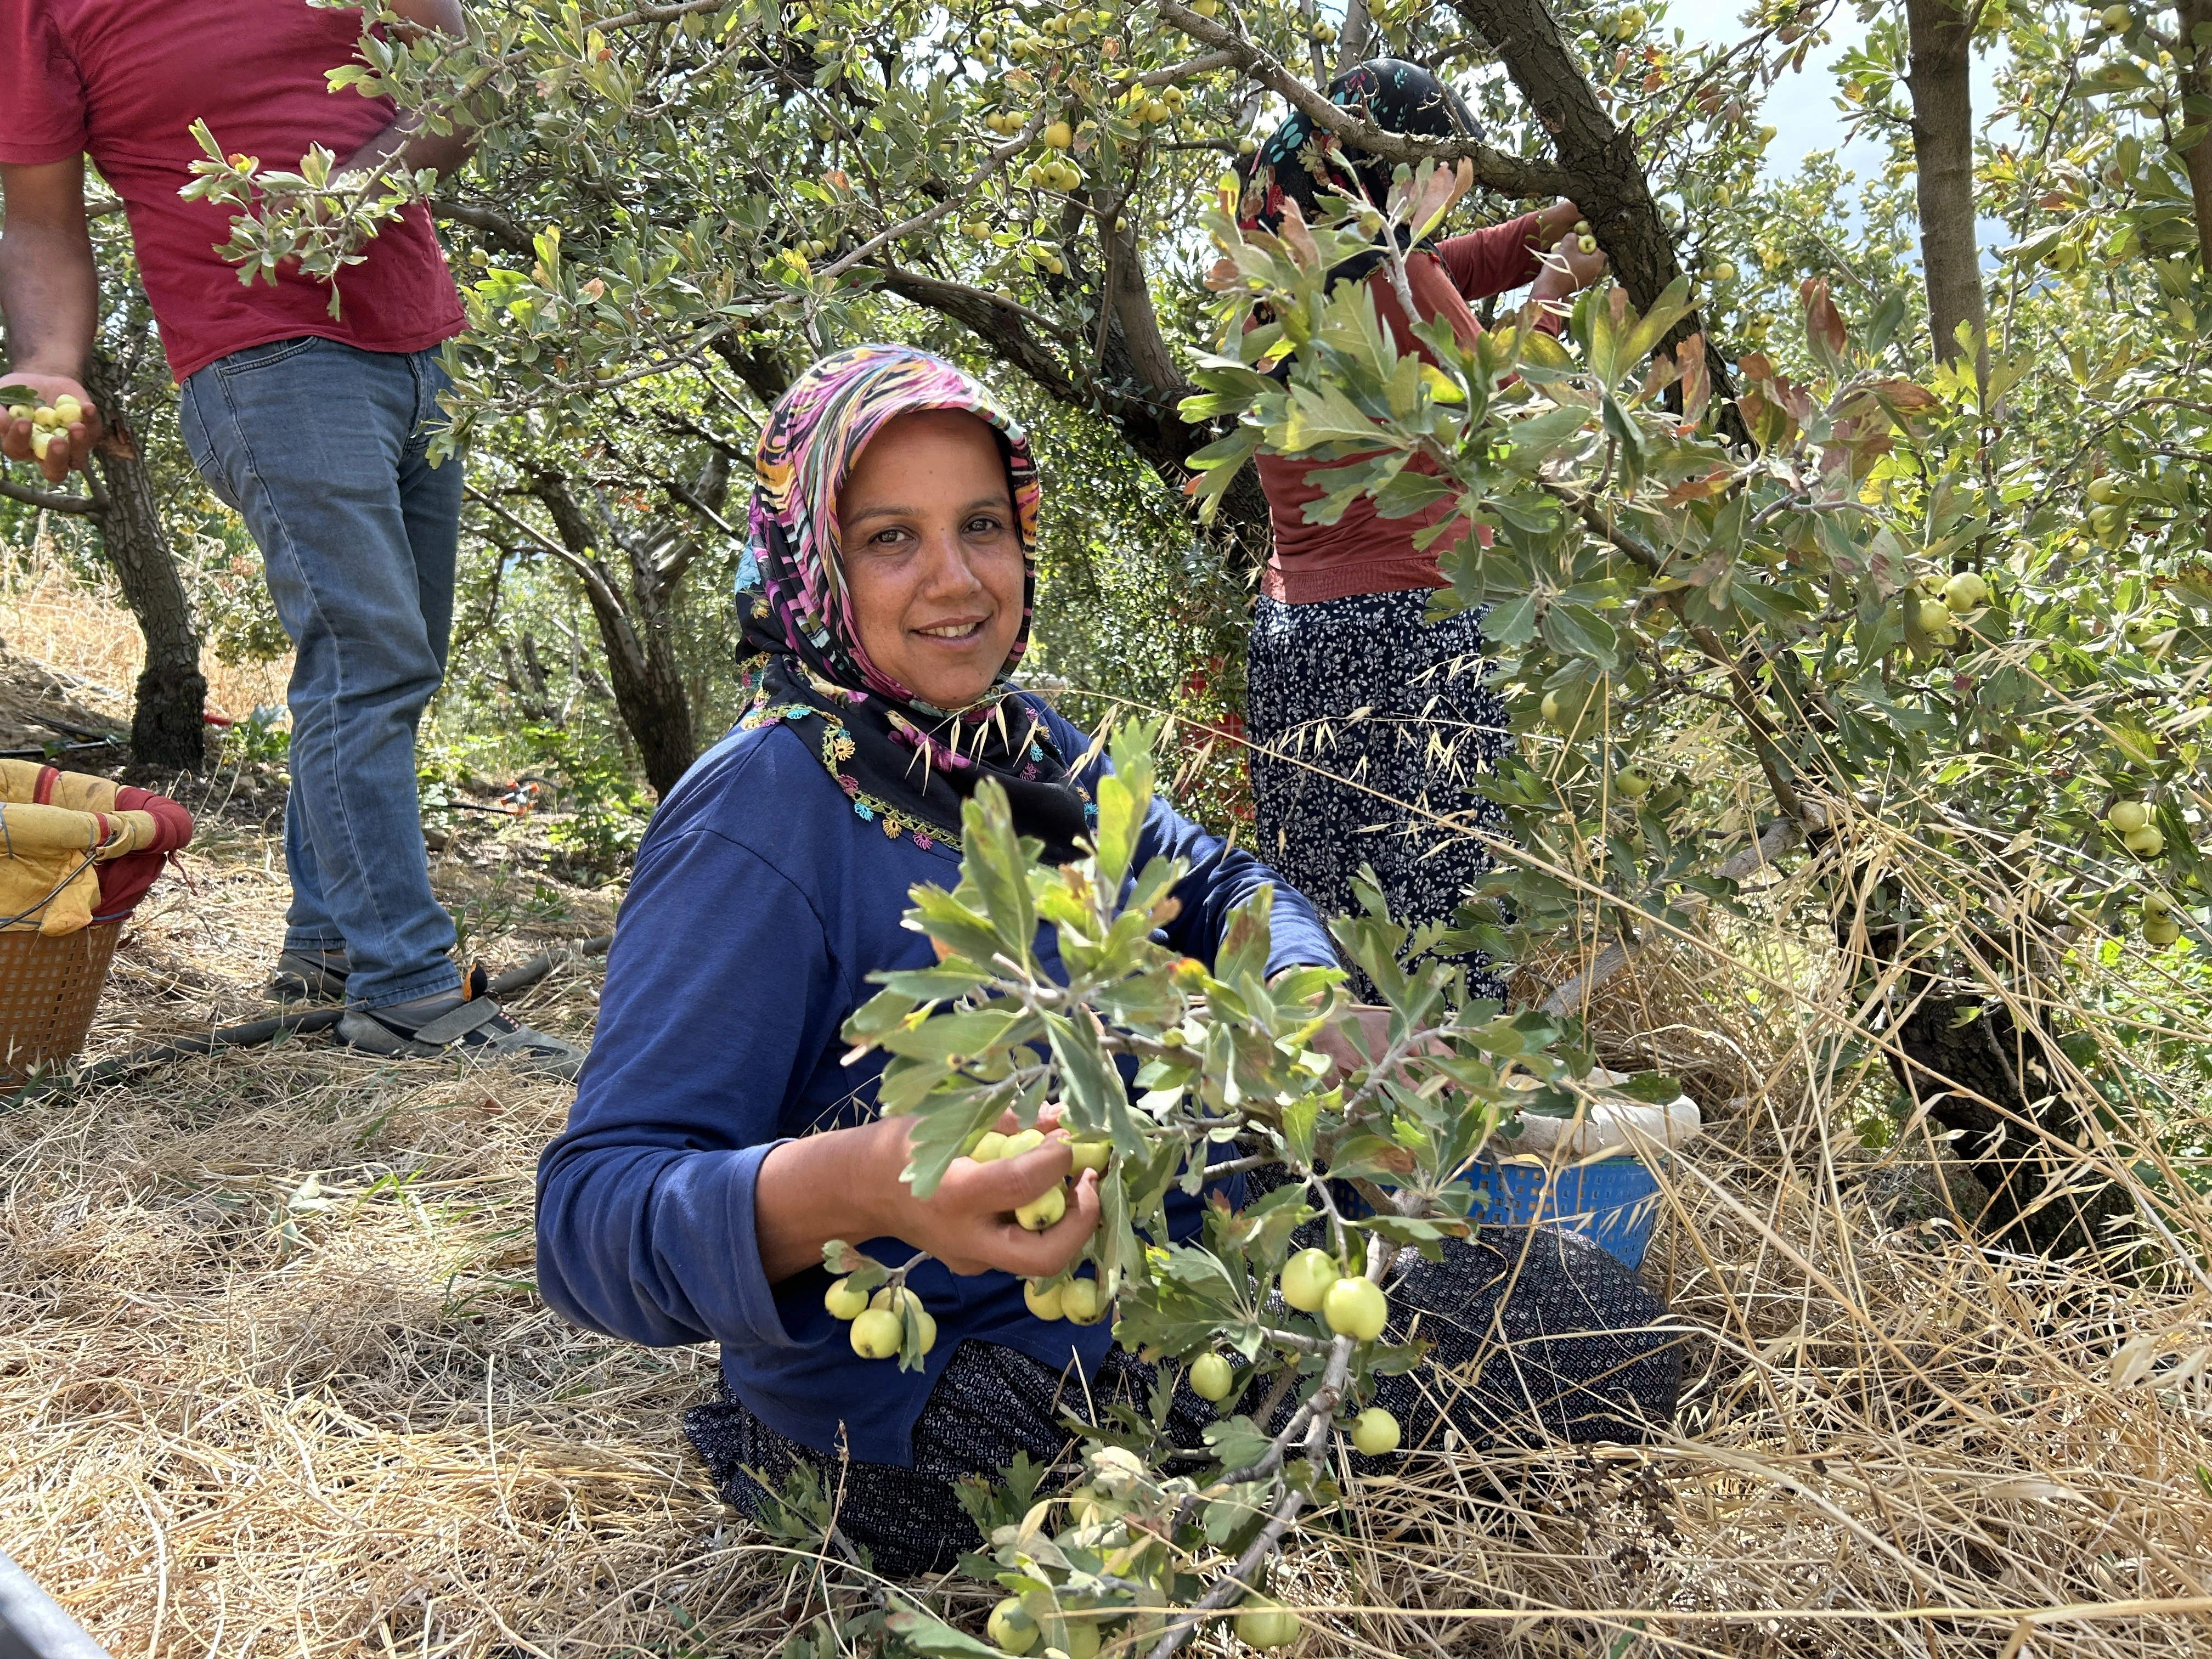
(1604, 1127)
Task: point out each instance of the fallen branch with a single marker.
(255, 1033)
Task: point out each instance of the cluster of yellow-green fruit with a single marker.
(1351, 1304)
(1075, 1300)
(1938, 602)
(2159, 927)
(879, 1320)
(48, 422)
(2130, 821)
(1261, 1623)
(1103, 1515)
(1055, 172)
(1142, 104)
(2107, 492)
(1579, 239)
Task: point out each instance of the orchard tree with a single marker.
(673, 206)
(133, 479)
(1686, 513)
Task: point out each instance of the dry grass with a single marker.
(46, 614)
(277, 1382)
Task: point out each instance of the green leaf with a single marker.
(1371, 1156)
(1091, 1085)
(944, 918)
(943, 983)
(962, 1033)
(1513, 622)
(1124, 798)
(1321, 416)
(926, 1633)
(1238, 1442)
(1668, 309)
(1217, 466)
(1653, 1088)
(1575, 630)
(1245, 942)
(1533, 440)
(939, 1134)
(993, 863)
(846, 1262)
(1297, 1125)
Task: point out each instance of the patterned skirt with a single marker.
(1368, 726)
(1536, 1335)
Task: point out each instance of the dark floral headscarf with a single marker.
(904, 764)
(1398, 97)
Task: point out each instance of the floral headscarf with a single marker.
(905, 765)
(1398, 97)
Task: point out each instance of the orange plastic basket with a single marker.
(49, 986)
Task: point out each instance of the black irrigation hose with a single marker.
(254, 1033)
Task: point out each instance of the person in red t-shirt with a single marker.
(314, 427)
(1367, 723)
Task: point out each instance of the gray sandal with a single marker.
(306, 976)
(476, 1030)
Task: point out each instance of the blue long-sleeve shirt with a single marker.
(760, 904)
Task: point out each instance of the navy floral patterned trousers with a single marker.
(1368, 726)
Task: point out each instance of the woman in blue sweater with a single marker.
(718, 1142)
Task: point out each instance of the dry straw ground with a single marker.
(276, 1381)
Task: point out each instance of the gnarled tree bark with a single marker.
(1940, 40)
(166, 725)
(2195, 79)
(633, 622)
(1606, 179)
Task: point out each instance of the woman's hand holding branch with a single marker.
(846, 1184)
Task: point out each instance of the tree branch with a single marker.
(52, 500)
(1002, 325)
(594, 579)
(1777, 838)
(510, 234)
(1509, 175)
(1598, 169)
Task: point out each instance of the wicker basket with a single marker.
(49, 986)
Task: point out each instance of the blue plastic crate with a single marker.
(1613, 1202)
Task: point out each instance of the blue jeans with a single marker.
(320, 447)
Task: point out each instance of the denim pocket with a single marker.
(260, 356)
(194, 433)
(192, 428)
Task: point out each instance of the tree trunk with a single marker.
(1355, 40)
(166, 728)
(2043, 1201)
(2195, 58)
(642, 670)
(1599, 155)
(1941, 33)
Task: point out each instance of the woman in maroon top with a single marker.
(1367, 724)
